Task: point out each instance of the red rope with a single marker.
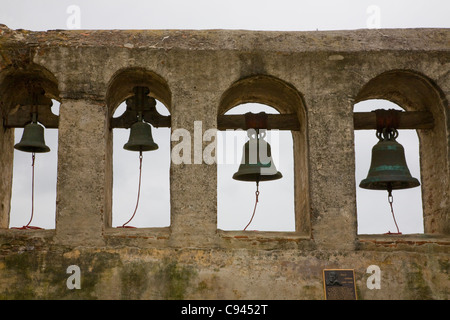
(27, 226)
(256, 202)
(139, 192)
(391, 200)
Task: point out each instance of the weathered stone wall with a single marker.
(323, 74)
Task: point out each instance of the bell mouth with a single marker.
(256, 177)
(140, 147)
(30, 148)
(389, 184)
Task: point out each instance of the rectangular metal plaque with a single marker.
(339, 284)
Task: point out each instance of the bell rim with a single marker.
(137, 147)
(399, 184)
(251, 177)
(32, 148)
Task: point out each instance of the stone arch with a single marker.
(414, 91)
(285, 98)
(267, 90)
(121, 85)
(15, 86)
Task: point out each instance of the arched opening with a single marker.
(272, 95)
(44, 207)
(154, 201)
(27, 201)
(415, 92)
(236, 200)
(374, 215)
(143, 202)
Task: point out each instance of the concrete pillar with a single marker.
(333, 213)
(6, 170)
(193, 185)
(83, 175)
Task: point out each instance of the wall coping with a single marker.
(279, 41)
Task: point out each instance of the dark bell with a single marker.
(388, 169)
(140, 138)
(252, 167)
(32, 139)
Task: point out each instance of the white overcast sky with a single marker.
(281, 15)
(231, 14)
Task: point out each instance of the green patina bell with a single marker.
(257, 164)
(141, 138)
(388, 169)
(32, 139)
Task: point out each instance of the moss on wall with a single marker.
(417, 286)
(43, 275)
(174, 279)
(134, 279)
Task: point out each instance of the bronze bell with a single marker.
(388, 169)
(253, 167)
(140, 138)
(32, 139)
